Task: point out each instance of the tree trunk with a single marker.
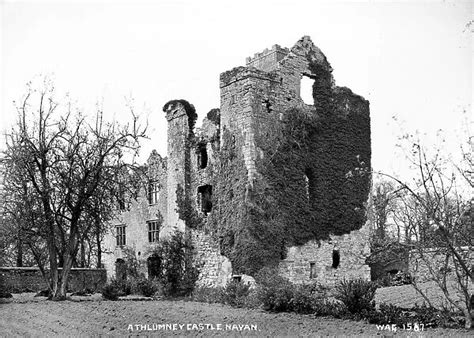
(68, 259)
(19, 256)
(83, 254)
(99, 247)
(61, 291)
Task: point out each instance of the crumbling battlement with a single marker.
(268, 59)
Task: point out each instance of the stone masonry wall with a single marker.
(215, 269)
(135, 220)
(17, 280)
(313, 262)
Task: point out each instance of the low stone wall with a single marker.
(29, 279)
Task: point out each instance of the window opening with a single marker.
(202, 156)
(312, 272)
(120, 235)
(306, 90)
(153, 231)
(336, 258)
(205, 198)
(153, 192)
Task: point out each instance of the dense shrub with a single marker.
(357, 295)
(110, 291)
(117, 288)
(236, 293)
(177, 274)
(274, 291)
(5, 294)
(147, 287)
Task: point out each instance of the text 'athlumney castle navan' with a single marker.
(268, 180)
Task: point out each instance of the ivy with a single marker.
(186, 211)
(305, 189)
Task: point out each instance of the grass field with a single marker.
(25, 315)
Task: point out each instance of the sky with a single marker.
(410, 59)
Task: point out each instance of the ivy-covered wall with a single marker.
(290, 173)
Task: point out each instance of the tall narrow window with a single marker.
(153, 231)
(312, 268)
(205, 198)
(153, 192)
(202, 156)
(120, 234)
(336, 259)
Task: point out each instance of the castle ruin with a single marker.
(268, 180)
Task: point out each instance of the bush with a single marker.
(357, 295)
(252, 301)
(147, 287)
(5, 294)
(331, 308)
(303, 300)
(274, 292)
(235, 293)
(123, 286)
(110, 291)
(117, 288)
(177, 273)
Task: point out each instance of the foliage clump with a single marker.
(357, 294)
(177, 273)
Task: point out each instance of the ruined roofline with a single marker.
(171, 107)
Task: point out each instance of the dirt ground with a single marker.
(25, 315)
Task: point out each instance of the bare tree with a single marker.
(438, 223)
(62, 170)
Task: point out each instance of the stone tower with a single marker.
(181, 117)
